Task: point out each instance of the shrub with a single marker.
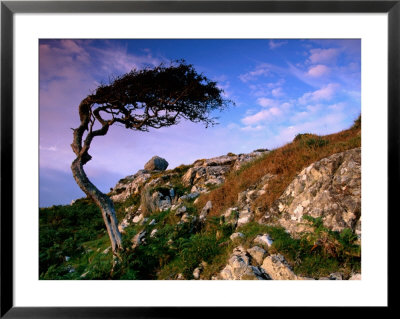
(357, 123)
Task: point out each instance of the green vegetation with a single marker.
(175, 249)
(178, 248)
(314, 253)
(63, 232)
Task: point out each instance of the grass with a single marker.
(317, 253)
(180, 248)
(285, 162)
(132, 201)
(63, 230)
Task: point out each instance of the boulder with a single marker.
(257, 253)
(156, 163)
(239, 267)
(277, 268)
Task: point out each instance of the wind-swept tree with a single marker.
(139, 100)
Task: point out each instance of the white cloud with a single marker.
(323, 55)
(337, 106)
(318, 70)
(250, 128)
(261, 116)
(261, 70)
(276, 84)
(266, 102)
(325, 93)
(326, 124)
(277, 92)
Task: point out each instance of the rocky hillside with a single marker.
(292, 213)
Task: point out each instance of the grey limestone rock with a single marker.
(156, 163)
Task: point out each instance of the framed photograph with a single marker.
(163, 155)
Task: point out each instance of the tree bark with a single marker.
(102, 201)
(82, 157)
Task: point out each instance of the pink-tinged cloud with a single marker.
(261, 70)
(323, 55)
(266, 102)
(253, 128)
(261, 116)
(324, 94)
(276, 44)
(318, 71)
(278, 92)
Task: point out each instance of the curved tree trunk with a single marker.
(102, 201)
(82, 157)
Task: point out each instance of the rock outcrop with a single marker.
(329, 188)
(277, 268)
(130, 185)
(202, 175)
(213, 171)
(239, 267)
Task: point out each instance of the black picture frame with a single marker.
(9, 8)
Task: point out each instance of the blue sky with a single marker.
(281, 87)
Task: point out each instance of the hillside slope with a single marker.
(290, 213)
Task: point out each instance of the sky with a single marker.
(280, 87)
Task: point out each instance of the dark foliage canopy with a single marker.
(148, 98)
(159, 97)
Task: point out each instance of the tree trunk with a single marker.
(102, 201)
